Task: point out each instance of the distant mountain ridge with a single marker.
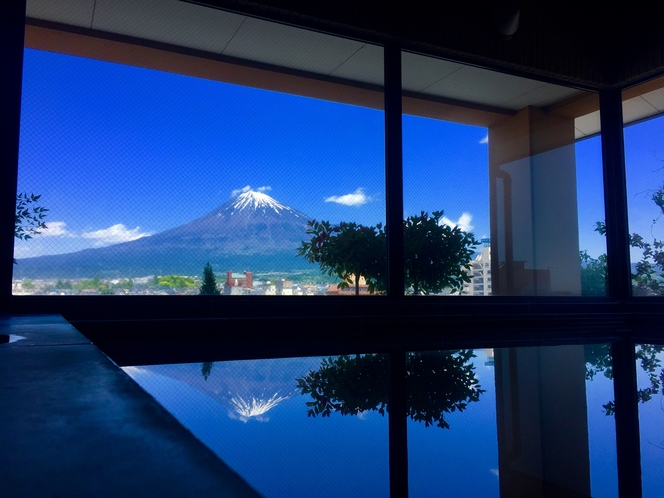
(251, 232)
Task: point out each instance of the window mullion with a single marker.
(615, 195)
(393, 170)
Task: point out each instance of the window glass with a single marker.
(644, 162)
(494, 168)
(195, 137)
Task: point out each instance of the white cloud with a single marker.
(55, 229)
(357, 198)
(494, 472)
(24, 252)
(239, 191)
(485, 140)
(265, 188)
(463, 222)
(114, 234)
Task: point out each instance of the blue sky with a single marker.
(119, 152)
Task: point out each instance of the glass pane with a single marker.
(500, 197)
(151, 163)
(511, 422)
(290, 427)
(644, 156)
(650, 375)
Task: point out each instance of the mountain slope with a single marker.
(251, 232)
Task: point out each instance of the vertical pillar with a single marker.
(628, 440)
(542, 422)
(615, 195)
(534, 219)
(393, 171)
(12, 29)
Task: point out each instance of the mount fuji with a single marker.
(251, 232)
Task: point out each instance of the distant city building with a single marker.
(238, 283)
(480, 271)
(489, 357)
(309, 290)
(284, 287)
(335, 290)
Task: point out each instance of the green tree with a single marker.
(63, 284)
(125, 284)
(437, 383)
(103, 287)
(29, 218)
(175, 282)
(437, 256)
(209, 286)
(599, 360)
(647, 279)
(593, 275)
(349, 251)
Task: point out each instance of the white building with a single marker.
(480, 283)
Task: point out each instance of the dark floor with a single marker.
(74, 424)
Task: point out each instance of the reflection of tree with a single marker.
(437, 383)
(598, 359)
(206, 369)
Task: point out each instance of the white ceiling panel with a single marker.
(587, 125)
(637, 108)
(168, 21)
(365, 65)
(212, 30)
(483, 87)
(655, 99)
(542, 96)
(418, 72)
(72, 12)
(294, 48)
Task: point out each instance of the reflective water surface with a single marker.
(506, 422)
(650, 378)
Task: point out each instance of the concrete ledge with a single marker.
(74, 424)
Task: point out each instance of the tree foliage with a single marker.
(599, 360)
(593, 274)
(175, 282)
(96, 284)
(647, 278)
(209, 286)
(29, 218)
(349, 251)
(437, 256)
(437, 383)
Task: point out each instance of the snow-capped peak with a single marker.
(257, 200)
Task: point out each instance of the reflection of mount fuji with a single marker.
(251, 232)
(248, 388)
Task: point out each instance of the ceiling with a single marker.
(255, 40)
